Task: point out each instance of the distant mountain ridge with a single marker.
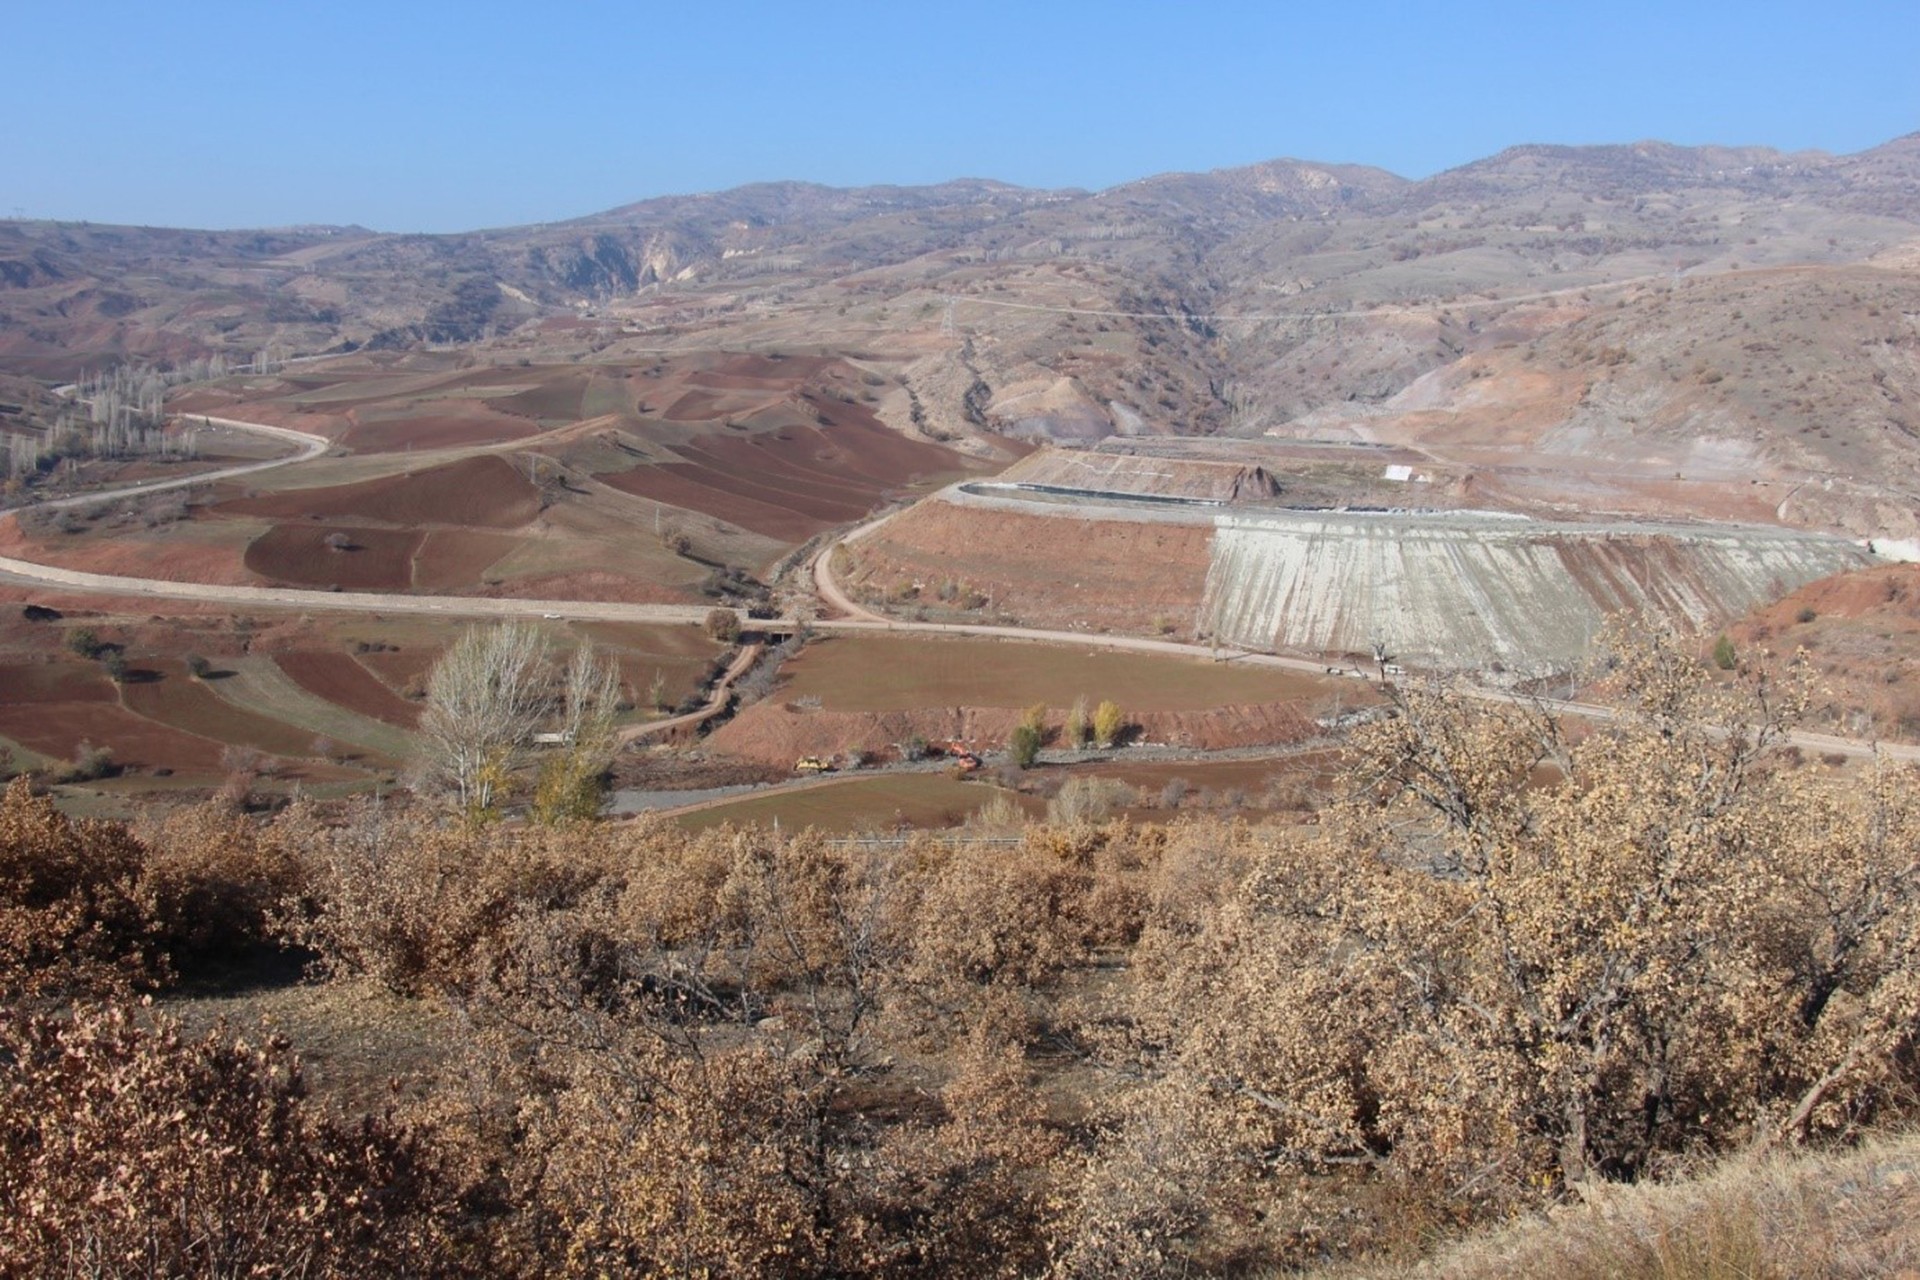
(1127, 302)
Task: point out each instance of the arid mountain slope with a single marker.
(1231, 302)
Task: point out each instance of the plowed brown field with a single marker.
(794, 481)
(340, 679)
(452, 560)
(1045, 570)
(58, 729)
(381, 559)
(481, 493)
(435, 431)
(177, 700)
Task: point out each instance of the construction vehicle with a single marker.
(813, 764)
(964, 758)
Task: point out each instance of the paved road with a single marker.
(311, 446)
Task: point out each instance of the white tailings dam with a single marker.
(1454, 591)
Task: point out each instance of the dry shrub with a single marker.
(999, 816)
(1480, 991)
(71, 913)
(128, 1151)
(216, 884)
(415, 904)
(993, 915)
(647, 1129)
(1088, 799)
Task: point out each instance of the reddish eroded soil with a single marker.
(748, 371)
(661, 485)
(54, 708)
(298, 554)
(1049, 571)
(38, 684)
(138, 553)
(482, 492)
(340, 679)
(1861, 632)
(59, 729)
(400, 669)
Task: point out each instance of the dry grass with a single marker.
(1826, 1216)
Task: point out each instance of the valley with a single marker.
(1415, 443)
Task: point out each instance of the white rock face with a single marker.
(1452, 591)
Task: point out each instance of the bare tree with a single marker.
(484, 697)
(591, 697)
(572, 783)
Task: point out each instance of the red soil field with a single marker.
(773, 468)
(141, 554)
(381, 559)
(792, 482)
(436, 431)
(559, 398)
(1119, 574)
(181, 702)
(399, 668)
(795, 498)
(57, 730)
(754, 371)
(453, 560)
(694, 406)
(340, 679)
(483, 493)
(679, 491)
(53, 682)
(769, 732)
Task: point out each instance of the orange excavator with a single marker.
(963, 756)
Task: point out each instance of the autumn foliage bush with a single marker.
(1512, 963)
(128, 1150)
(71, 907)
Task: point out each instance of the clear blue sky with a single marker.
(412, 115)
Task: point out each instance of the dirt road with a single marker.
(716, 700)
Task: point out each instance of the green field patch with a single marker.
(259, 683)
(605, 393)
(920, 801)
(886, 673)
